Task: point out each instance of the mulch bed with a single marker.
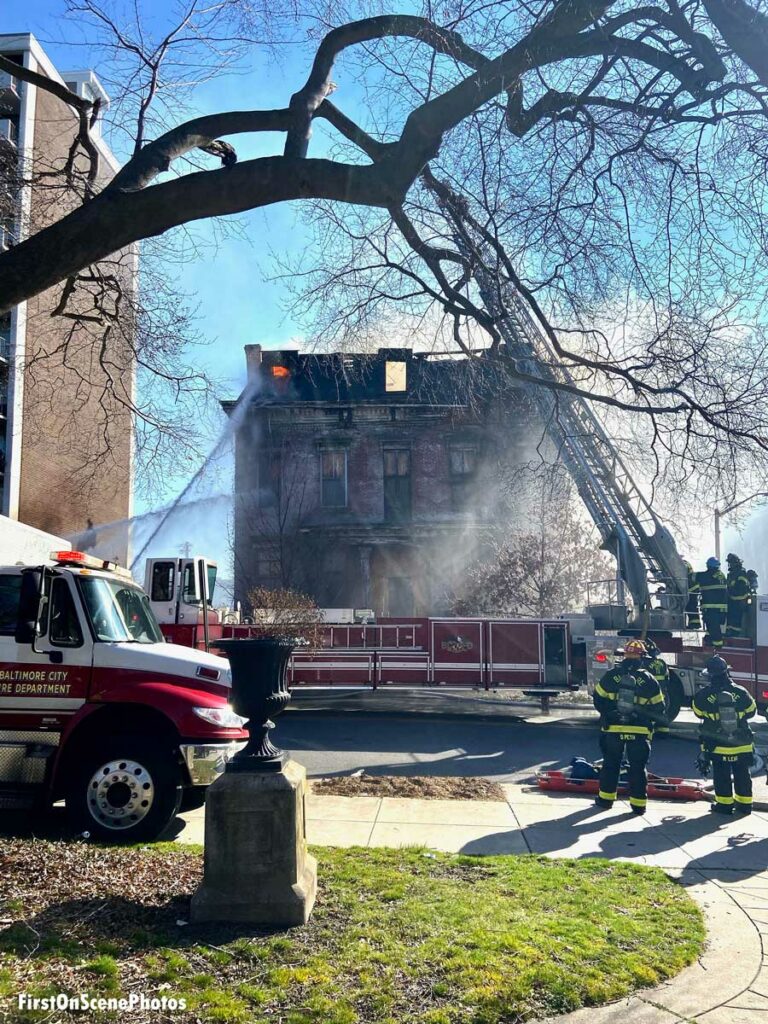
(417, 787)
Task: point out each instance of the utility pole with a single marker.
(186, 549)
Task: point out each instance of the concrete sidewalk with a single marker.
(724, 864)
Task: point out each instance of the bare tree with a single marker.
(594, 144)
(543, 566)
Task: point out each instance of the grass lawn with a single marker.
(396, 936)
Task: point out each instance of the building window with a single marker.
(397, 485)
(333, 474)
(267, 567)
(463, 461)
(462, 467)
(394, 376)
(267, 479)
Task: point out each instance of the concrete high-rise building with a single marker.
(66, 436)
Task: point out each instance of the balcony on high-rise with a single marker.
(9, 91)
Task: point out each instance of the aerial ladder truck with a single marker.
(647, 559)
(648, 564)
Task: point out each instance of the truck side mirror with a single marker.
(29, 606)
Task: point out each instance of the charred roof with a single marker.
(396, 376)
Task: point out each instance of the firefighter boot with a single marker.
(726, 809)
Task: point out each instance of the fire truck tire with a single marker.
(673, 696)
(124, 791)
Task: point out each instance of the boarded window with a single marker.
(394, 376)
(397, 485)
(333, 471)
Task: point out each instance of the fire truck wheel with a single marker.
(125, 791)
(673, 696)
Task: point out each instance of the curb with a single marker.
(450, 716)
(456, 716)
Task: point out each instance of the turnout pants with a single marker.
(735, 622)
(714, 620)
(614, 746)
(732, 781)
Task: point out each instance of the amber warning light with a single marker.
(281, 372)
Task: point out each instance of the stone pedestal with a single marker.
(257, 869)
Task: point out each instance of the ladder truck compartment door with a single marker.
(514, 653)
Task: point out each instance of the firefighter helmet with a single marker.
(716, 667)
(713, 563)
(634, 649)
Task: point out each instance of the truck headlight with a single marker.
(223, 718)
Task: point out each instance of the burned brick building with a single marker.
(370, 481)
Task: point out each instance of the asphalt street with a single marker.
(509, 750)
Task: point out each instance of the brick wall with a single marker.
(76, 436)
(352, 556)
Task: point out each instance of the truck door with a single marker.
(198, 581)
(160, 586)
(556, 650)
(42, 684)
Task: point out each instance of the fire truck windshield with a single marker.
(118, 611)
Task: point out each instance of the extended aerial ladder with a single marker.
(644, 550)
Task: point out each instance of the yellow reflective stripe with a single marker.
(699, 713)
(606, 796)
(637, 801)
(748, 748)
(742, 799)
(714, 607)
(724, 799)
(739, 597)
(642, 700)
(636, 730)
(751, 707)
(658, 699)
(604, 693)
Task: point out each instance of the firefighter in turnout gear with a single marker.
(692, 613)
(655, 664)
(630, 703)
(726, 738)
(714, 600)
(738, 596)
(750, 623)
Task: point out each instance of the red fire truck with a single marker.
(96, 708)
(542, 657)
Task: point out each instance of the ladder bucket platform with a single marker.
(660, 787)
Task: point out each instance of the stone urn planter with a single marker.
(259, 693)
